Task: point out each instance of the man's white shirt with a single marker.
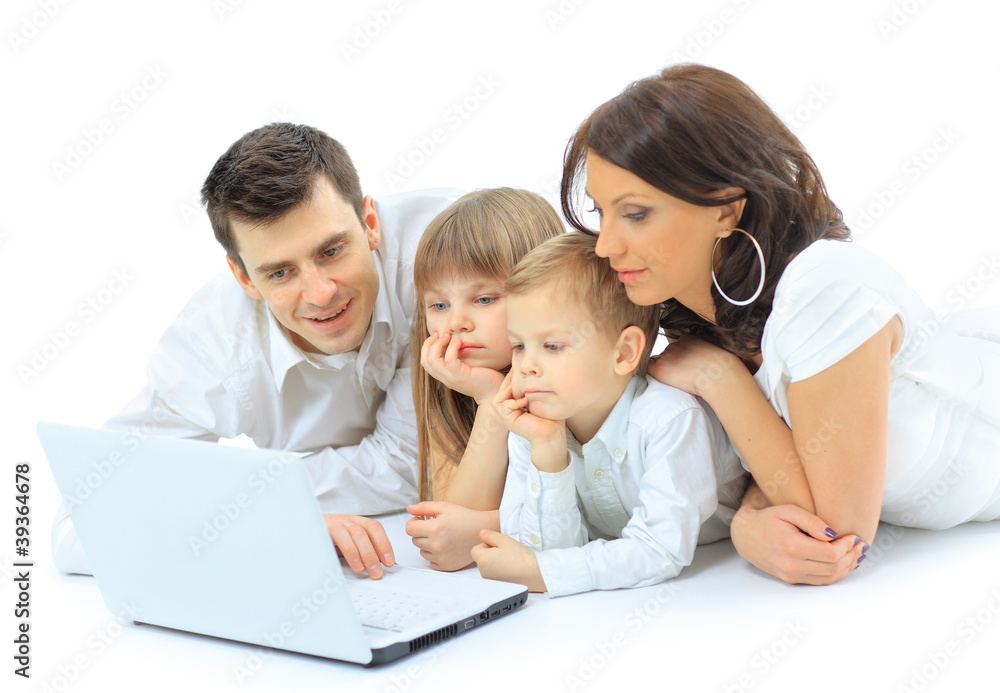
(225, 367)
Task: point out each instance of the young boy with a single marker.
(612, 475)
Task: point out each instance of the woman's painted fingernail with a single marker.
(861, 559)
(864, 550)
(856, 540)
(830, 533)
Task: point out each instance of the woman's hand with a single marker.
(439, 357)
(500, 557)
(694, 366)
(794, 545)
(448, 534)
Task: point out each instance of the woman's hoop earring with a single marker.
(760, 286)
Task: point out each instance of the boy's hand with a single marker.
(439, 357)
(362, 541)
(447, 537)
(500, 557)
(513, 408)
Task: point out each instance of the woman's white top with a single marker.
(943, 462)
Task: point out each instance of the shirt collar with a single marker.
(613, 433)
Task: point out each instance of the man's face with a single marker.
(315, 269)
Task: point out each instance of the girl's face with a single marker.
(660, 246)
(473, 309)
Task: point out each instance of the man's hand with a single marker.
(794, 545)
(446, 538)
(503, 558)
(362, 541)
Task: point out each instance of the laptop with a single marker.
(229, 542)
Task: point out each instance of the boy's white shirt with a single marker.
(634, 501)
(226, 367)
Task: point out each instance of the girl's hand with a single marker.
(794, 545)
(500, 557)
(693, 365)
(447, 537)
(513, 407)
(439, 357)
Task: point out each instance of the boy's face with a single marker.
(562, 362)
(315, 269)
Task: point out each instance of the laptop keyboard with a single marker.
(394, 611)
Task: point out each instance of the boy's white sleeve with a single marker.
(677, 493)
(539, 509)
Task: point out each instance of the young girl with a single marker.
(459, 339)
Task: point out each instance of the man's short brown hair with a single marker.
(271, 170)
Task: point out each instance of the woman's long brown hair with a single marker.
(692, 130)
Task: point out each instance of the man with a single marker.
(307, 350)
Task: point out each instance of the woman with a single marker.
(847, 398)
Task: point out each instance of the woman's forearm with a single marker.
(761, 437)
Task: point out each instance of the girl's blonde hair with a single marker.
(482, 234)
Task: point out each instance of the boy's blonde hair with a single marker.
(569, 263)
(482, 234)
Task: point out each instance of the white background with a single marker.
(896, 101)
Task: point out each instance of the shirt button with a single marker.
(599, 473)
(534, 488)
(618, 452)
(534, 538)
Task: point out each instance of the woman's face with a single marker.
(660, 246)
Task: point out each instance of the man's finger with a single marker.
(379, 539)
(342, 540)
(366, 549)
